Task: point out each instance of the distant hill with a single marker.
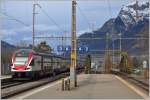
(6, 52)
(128, 25)
(6, 45)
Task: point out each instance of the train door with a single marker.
(51, 64)
(37, 63)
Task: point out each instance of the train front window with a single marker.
(21, 60)
(22, 53)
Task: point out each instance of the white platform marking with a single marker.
(38, 90)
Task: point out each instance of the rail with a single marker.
(133, 80)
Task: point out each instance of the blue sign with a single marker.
(81, 49)
(67, 48)
(60, 48)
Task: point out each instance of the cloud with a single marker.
(26, 31)
(27, 38)
(7, 32)
(39, 28)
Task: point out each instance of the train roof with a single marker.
(41, 53)
(48, 54)
(27, 50)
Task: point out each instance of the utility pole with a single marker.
(120, 46)
(33, 30)
(33, 33)
(113, 59)
(107, 39)
(64, 39)
(113, 54)
(93, 24)
(107, 55)
(73, 78)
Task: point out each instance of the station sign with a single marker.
(81, 49)
(61, 48)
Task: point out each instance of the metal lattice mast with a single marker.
(106, 53)
(33, 33)
(33, 26)
(120, 45)
(73, 78)
(107, 56)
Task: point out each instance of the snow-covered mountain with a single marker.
(133, 13)
(132, 21)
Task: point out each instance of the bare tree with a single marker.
(43, 47)
(22, 43)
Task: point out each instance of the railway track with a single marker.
(10, 84)
(133, 80)
(10, 90)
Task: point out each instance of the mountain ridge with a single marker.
(125, 23)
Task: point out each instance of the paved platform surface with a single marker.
(94, 86)
(5, 76)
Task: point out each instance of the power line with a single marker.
(67, 37)
(50, 18)
(86, 19)
(13, 18)
(109, 8)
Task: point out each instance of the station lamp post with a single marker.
(120, 45)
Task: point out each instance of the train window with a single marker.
(22, 53)
(32, 63)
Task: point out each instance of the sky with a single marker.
(97, 12)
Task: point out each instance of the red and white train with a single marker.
(28, 64)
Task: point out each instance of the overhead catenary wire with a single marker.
(109, 8)
(15, 19)
(51, 19)
(59, 37)
(86, 19)
(110, 14)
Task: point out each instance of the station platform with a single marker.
(5, 77)
(90, 86)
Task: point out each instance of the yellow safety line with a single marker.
(132, 87)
